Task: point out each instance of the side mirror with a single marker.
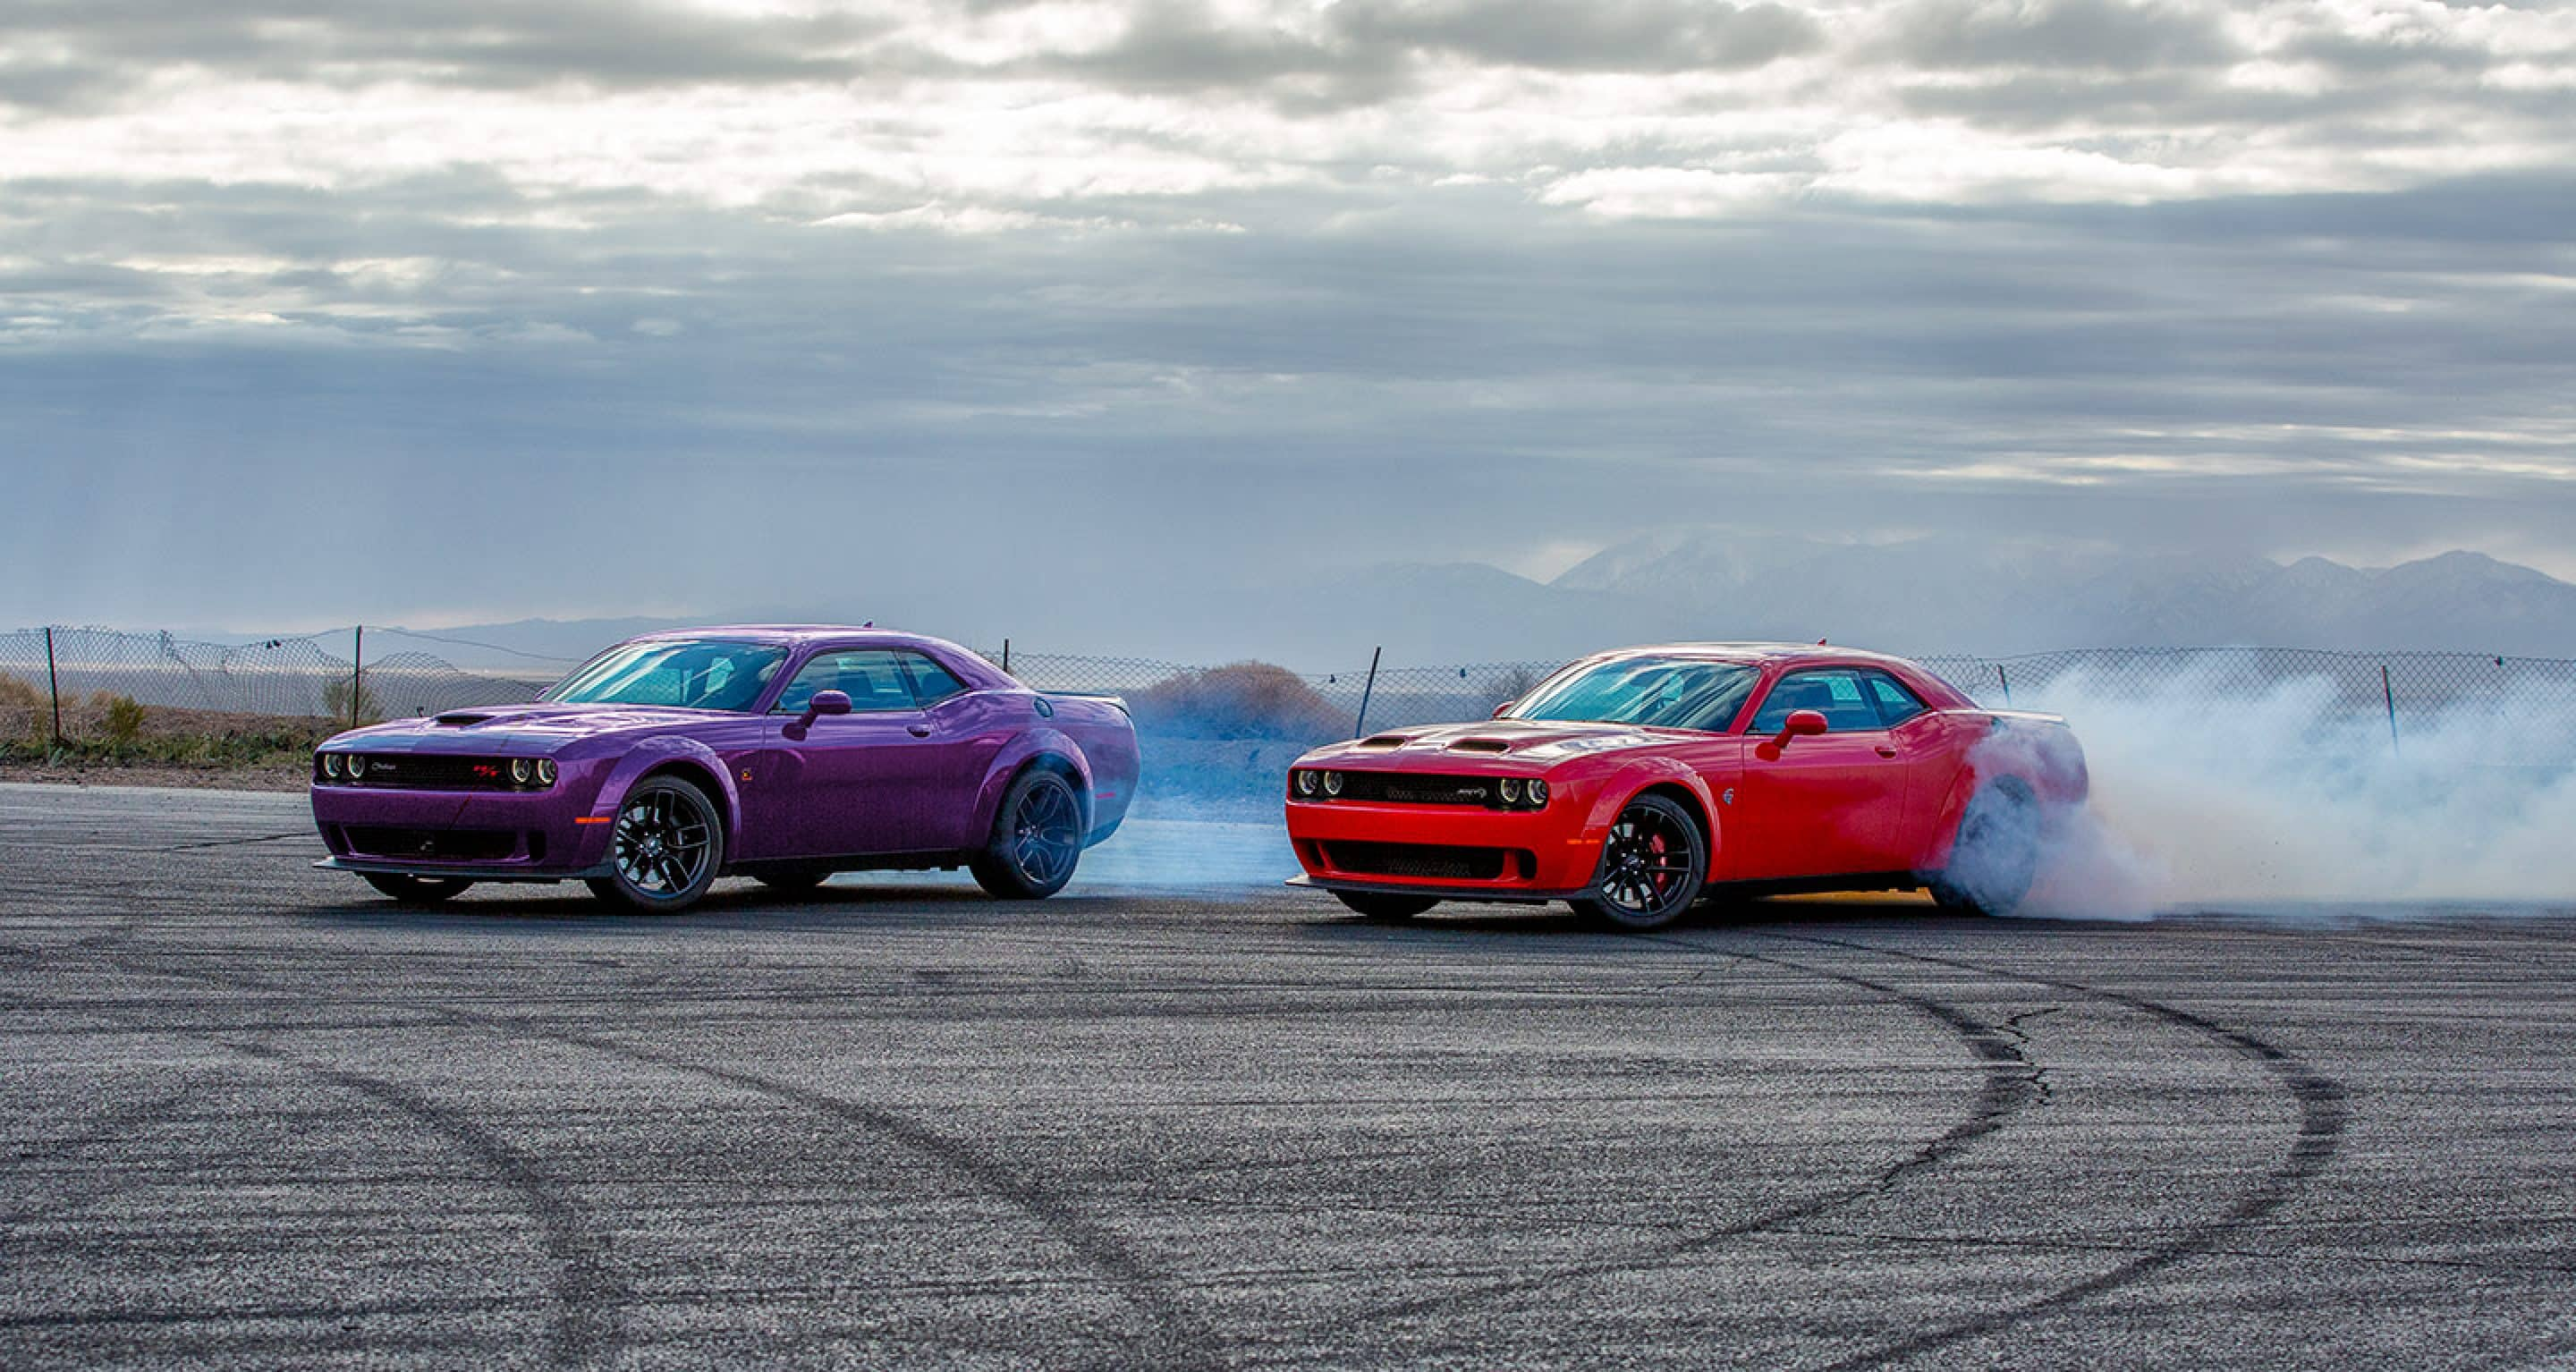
(823, 703)
(1503, 709)
(1799, 724)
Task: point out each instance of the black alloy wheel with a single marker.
(416, 890)
(1652, 865)
(664, 849)
(1036, 839)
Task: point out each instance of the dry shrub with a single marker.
(1249, 700)
(119, 717)
(25, 712)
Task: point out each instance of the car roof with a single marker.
(1758, 652)
(790, 633)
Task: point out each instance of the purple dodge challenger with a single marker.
(779, 753)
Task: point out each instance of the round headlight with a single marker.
(1332, 783)
(1306, 783)
(1537, 791)
(357, 765)
(1511, 789)
(545, 771)
(520, 770)
(331, 764)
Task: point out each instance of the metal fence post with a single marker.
(1360, 729)
(1006, 657)
(2388, 694)
(2007, 684)
(54, 686)
(357, 671)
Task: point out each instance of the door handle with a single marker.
(918, 730)
(1885, 751)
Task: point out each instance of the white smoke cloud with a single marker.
(2208, 797)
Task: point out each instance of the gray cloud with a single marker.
(2094, 35)
(1587, 35)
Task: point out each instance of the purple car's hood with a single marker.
(522, 728)
(1443, 745)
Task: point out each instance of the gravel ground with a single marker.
(1178, 1117)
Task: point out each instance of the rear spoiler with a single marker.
(1103, 697)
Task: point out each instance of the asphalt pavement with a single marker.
(252, 1115)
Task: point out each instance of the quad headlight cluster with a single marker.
(1509, 793)
(1316, 785)
(518, 773)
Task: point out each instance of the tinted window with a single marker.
(1895, 703)
(700, 674)
(1834, 692)
(1658, 692)
(871, 677)
(930, 681)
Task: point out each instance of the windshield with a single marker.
(695, 674)
(1656, 692)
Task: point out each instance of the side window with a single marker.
(931, 682)
(1895, 703)
(871, 677)
(1834, 692)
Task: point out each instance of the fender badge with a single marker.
(746, 776)
(1726, 797)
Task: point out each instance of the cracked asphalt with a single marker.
(252, 1116)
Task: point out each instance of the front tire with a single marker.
(1373, 905)
(1652, 865)
(1995, 857)
(1036, 839)
(416, 891)
(664, 849)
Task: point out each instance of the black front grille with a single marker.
(462, 845)
(1416, 860)
(1415, 788)
(430, 772)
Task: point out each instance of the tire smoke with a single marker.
(2207, 796)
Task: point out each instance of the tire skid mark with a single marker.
(1181, 1339)
(2321, 1102)
(2010, 1083)
(587, 1328)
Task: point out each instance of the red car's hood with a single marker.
(1443, 747)
(533, 727)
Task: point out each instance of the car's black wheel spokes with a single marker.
(1647, 864)
(662, 844)
(1044, 837)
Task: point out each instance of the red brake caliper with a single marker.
(1655, 845)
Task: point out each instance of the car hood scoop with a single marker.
(1522, 740)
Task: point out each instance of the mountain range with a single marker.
(1951, 594)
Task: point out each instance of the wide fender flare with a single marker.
(1006, 764)
(652, 754)
(1639, 775)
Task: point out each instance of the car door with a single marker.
(874, 781)
(1821, 805)
(1928, 750)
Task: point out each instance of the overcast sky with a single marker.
(322, 310)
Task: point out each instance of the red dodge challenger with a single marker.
(1632, 782)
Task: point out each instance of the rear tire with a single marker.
(1036, 839)
(1652, 865)
(1373, 905)
(1995, 857)
(664, 849)
(416, 891)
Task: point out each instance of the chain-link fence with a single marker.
(383, 673)
(317, 676)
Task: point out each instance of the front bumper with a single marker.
(1433, 891)
(1445, 851)
(485, 835)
